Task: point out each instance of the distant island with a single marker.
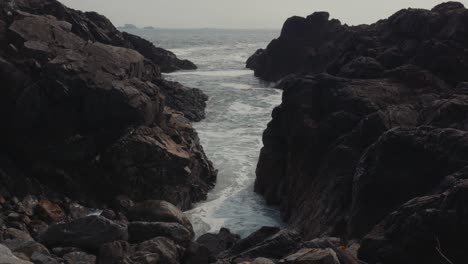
(133, 27)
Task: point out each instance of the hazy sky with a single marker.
(240, 13)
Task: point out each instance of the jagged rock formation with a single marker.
(90, 119)
(370, 142)
(316, 44)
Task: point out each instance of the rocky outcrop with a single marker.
(317, 44)
(97, 28)
(167, 60)
(370, 144)
(89, 119)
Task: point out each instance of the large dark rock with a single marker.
(159, 250)
(433, 39)
(266, 242)
(429, 229)
(220, 242)
(373, 148)
(158, 211)
(167, 60)
(88, 114)
(87, 233)
(143, 231)
(97, 28)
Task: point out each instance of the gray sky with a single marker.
(240, 13)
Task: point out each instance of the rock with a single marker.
(98, 91)
(448, 6)
(313, 256)
(79, 258)
(16, 234)
(28, 248)
(6, 256)
(78, 211)
(62, 251)
(158, 211)
(362, 68)
(262, 261)
(189, 101)
(37, 228)
(165, 59)
(322, 243)
(196, 253)
(305, 45)
(109, 214)
(274, 246)
(422, 154)
(86, 233)
(252, 240)
(29, 203)
(50, 212)
(371, 139)
(162, 249)
(143, 231)
(317, 44)
(40, 258)
(427, 228)
(220, 242)
(114, 252)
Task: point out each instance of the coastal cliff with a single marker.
(370, 142)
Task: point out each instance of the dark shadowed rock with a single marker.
(312, 256)
(164, 248)
(6, 256)
(376, 152)
(166, 59)
(87, 233)
(264, 244)
(220, 242)
(432, 39)
(142, 231)
(114, 252)
(79, 258)
(74, 74)
(158, 211)
(430, 229)
(50, 212)
(196, 253)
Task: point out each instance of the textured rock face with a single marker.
(97, 28)
(88, 114)
(87, 233)
(316, 44)
(372, 148)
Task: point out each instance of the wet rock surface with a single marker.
(370, 140)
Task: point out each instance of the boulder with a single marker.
(50, 212)
(41, 258)
(428, 228)
(164, 58)
(114, 252)
(158, 211)
(312, 256)
(162, 249)
(79, 258)
(86, 233)
(74, 74)
(143, 231)
(259, 244)
(196, 253)
(28, 248)
(6, 256)
(220, 242)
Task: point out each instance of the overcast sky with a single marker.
(240, 13)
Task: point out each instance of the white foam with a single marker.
(228, 73)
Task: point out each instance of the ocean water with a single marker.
(238, 111)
